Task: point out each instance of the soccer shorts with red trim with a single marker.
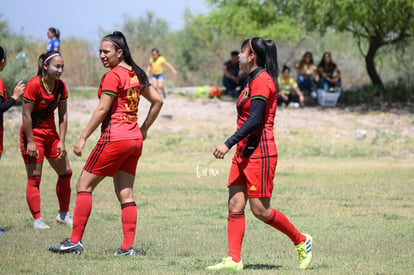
(107, 158)
(255, 173)
(46, 142)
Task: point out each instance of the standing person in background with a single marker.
(119, 147)
(289, 93)
(254, 163)
(231, 77)
(6, 103)
(39, 138)
(54, 43)
(156, 63)
(307, 72)
(330, 75)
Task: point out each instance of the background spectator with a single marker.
(289, 92)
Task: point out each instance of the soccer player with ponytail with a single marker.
(254, 163)
(119, 147)
(39, 138)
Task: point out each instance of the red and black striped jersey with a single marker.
(45, 103)
(121, 121)
(260, 143)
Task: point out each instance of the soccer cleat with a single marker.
(40, 224)
(304, 250)
(2, 231)
(67, 247)
(125, 252)
(64, 218)
(227, 264)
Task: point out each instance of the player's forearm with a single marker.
(27, 127)
(96, 119)
(152, 114)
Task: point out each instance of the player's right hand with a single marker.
(77, 149)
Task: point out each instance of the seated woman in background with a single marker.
(330, 75)
(289, 92)
(307, 72)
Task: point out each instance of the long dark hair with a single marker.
(41, 61)
(118, 40)
(2, 53)
(323, 64)
(266, 53)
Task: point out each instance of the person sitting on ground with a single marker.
(289, 92)
(307, 72)
(231, 77)
(330, 75)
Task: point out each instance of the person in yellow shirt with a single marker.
(156, 63)
(289, 92)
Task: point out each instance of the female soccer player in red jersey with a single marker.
(39, 138)
(6, 103)
(254, 163)
(119, 147)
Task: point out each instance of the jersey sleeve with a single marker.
(65, 93)
(31, 92)
(260, 89)
(162, 59)
(2, 89)
(293, 82)
(110, 83)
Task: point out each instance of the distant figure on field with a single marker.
(21, 54)
(289, 93)
(231, 77)
(156, 63)
(307, 72)
(54, 43)
(330, 75)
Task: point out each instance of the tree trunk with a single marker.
(374, 45)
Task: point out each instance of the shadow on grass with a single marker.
(262, 267)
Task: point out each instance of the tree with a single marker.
(248, 18)
(375, 23)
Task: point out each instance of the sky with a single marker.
(84, 18)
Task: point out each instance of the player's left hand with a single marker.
(61, 150)
(221, 151)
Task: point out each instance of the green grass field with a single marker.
(355, 198)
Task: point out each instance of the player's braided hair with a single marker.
(119, 42)
(266, 53)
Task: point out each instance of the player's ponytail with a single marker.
(119, 41)
(266, 53)
(2, 54)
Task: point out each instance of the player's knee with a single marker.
(68, 174)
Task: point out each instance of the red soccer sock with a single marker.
(63, 191)
(129, 223)
(81, 215)
(33, 195)
(235, 234)
(281, 223)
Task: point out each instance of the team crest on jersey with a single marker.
(133, 80)
(42, 102)
(246, 92)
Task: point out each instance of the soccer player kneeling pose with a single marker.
(119, 147)
(39, 138)
(254, 163)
